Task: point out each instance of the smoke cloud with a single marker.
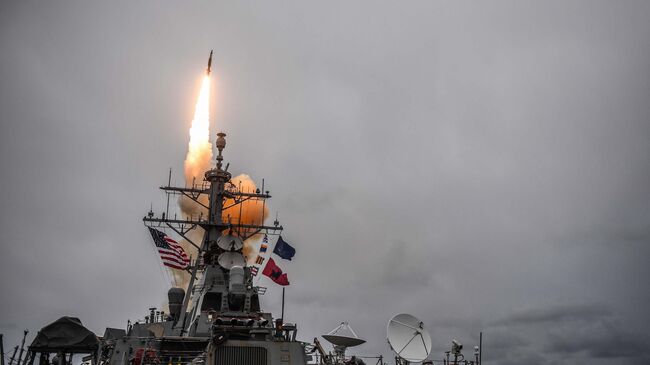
(248, 212)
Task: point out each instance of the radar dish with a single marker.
(343, 340)
(230, 243)
(229, 259)
(343, 336)
(408, 338)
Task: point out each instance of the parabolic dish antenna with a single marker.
(343, 337)
(229, 259)
(343, 340)
(229, 242)
(408, 338)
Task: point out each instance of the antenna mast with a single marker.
(218, 253)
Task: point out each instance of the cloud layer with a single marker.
(482, 166)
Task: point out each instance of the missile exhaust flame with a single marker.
(199, 159)
(199, 153)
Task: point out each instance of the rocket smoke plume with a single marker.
(199, 160)
(247, 212)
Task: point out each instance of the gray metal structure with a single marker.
(220, 320)
(217, 319)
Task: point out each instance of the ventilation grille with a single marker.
(231, 355)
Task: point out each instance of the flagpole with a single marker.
(22, 347)
(2, 350)
(188, 292)
(11, 361)
(282, 305)
(263, 203)
(480, 348)
(169, 184)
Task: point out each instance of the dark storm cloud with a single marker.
(606, 342)
(580, 331)
(483, 166)
(560, 313)
(599, 335)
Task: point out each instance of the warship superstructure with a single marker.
(218, 319)
(225, 324)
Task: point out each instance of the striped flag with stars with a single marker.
(171, 252)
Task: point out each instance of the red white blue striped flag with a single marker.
(171, 252)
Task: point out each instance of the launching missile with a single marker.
(209, 64)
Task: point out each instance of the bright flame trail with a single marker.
(197, 162)
(199, 153)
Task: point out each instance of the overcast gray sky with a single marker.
(482, 165)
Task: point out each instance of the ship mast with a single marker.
(221, 194)
(218, 188)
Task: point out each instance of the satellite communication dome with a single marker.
(229, 242)
(408, 338)
(229, 259)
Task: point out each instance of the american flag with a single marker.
(171, 253)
